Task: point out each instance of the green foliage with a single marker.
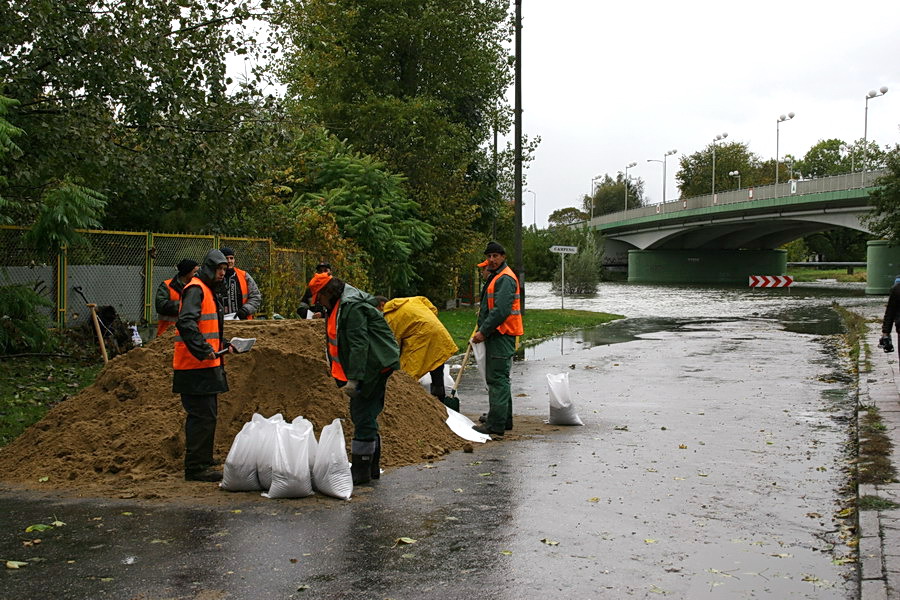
(839, 244)
(827, 157)
(609, 195)
(695, 173)
(65, 207)
(582, 269)
(540, 263)
(566, 216)
(367, 203)
(884, 220)
(129, 99)
(23, 327)
(797, 251)
(421, 86)
(8, 149)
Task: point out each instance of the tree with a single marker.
(609, 195)
(367, 203)
(8, 148)
(128, 99)
(884, 220)
(566, 216)
(582, 268)
(420, 85)
(695, 175)
(827, 157)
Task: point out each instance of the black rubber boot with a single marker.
(361, 454)
(376, 459)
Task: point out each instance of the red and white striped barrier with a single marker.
(770, 281)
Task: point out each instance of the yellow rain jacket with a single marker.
(425, 343)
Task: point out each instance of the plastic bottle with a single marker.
(136, 337)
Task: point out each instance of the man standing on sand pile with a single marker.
(199, 373)
(425, 344)
(168, 295)
(499, 322)
(240, 294)
(362, 354)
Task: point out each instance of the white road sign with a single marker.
(564, 249)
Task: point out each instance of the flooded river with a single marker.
(803, 308)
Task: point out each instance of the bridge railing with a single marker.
(834, 183)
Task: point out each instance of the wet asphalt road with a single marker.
(711, 465)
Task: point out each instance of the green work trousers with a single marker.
(499, 350)
(367, 405)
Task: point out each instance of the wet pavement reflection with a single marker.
(712, 463)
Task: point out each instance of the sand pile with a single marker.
(124, 435)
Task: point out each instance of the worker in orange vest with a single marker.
(499, 323)
(168, 294)
(199, 369)
(240, 294)
(362, 354)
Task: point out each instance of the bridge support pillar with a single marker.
(882, 266)
(703, 266)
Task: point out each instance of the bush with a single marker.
(23, 327)
(582, 270)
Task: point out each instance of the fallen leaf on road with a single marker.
(15, 564)
(594, 499)
(682, 446)
(405, 540)
(550, 542)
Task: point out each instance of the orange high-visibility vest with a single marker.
(166, 321)
(337, 370)
(513, 323)
(242, 283)
(209, 327)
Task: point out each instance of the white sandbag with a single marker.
(290, 466)
(239, 473)
(562, 409)
(266, 447)
(331, 474)
(480, 353)
(301, 424)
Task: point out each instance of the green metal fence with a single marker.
(123, 269)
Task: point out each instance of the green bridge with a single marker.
(728, 237)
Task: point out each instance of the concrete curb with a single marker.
(879, 530)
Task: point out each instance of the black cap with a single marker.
(494, 248)
(186, 266)
(323, 266)
(226, 251)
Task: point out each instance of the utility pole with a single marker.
(520, 266)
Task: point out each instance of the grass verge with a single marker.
(539, 323)
(811, 274)
(31, 385)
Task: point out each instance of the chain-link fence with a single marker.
(123, 269)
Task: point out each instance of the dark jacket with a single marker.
(306, 306)
(200, 381)
(892, 312)
(504, 293)
(164, 304)
(366, 344)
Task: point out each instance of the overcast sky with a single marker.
(609, 83)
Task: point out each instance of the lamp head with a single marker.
(883, 89)
(671, 152)
(791, 115)
(871, 94)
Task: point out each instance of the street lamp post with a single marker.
(778, 122)
(738, 175)
(663, 161)
(533, 207)
(872, 94)
(849, 150)
(592, 194)
(628, 166)
(721, 136)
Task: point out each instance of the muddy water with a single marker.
(803, 308)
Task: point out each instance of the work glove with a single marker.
(886, 343)
(352, 389)
(243, 313)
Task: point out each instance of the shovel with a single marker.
(452, 400)
(96, 322)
